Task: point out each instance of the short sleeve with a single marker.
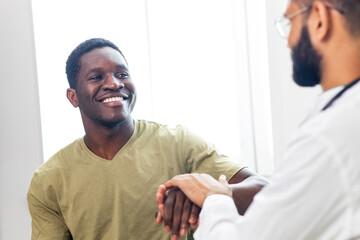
(46, 222)
(203, 157)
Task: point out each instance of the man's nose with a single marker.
(111, 82)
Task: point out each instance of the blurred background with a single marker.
(217, 67)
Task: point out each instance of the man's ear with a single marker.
(319, 23)
(71, 95)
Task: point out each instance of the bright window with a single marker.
(192, 63)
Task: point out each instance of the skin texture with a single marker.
(108, 125)
(180, 216)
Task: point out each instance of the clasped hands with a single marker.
(180, 199)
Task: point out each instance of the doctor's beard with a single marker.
(306, 61)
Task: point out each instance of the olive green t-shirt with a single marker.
(78, 195)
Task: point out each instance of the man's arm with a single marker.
(46, 223)
(245, 184)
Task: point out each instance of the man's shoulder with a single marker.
(61, 159)
(151, 127)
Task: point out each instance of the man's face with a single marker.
(306, 60)
(105, 91)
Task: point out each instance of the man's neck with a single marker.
(107, 141)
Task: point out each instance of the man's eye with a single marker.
(122, 75)
(96, 77)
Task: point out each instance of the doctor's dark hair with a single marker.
(73, 63)
(351, 10)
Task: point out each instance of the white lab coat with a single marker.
(314, 193)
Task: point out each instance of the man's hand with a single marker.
(177, 211)
(198, 186)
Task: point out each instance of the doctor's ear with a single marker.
(71, 95)
(319, 21)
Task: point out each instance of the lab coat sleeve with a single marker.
(306, 199)
(219, 219)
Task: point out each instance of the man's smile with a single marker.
(113, 99)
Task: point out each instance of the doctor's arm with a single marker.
(306, 193)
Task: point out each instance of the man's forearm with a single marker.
(244, 192)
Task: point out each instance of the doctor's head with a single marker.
(314, 31)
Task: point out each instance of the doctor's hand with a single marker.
(177, 211)
(198, 186)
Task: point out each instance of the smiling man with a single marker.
(314, 193)
(102, 186)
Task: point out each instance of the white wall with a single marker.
(20, 137)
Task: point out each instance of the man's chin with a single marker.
(115, 121)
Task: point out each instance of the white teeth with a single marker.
(113, 99)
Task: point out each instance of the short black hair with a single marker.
(351, 10)
(73, 64)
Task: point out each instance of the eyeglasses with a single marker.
(283, 23)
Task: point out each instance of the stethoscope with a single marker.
(337, 96)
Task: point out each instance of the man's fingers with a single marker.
(195, 225)
(194, 215)
(184, 227)
(168, 210)
(178, 209)
(174, 237)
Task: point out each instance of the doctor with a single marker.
(315, 192)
